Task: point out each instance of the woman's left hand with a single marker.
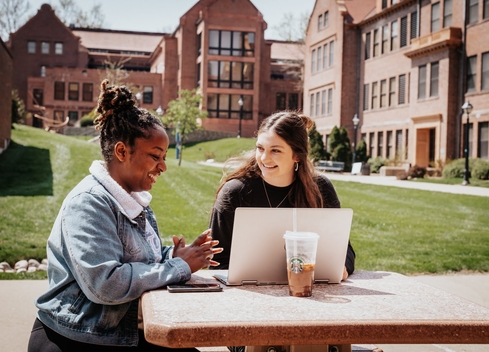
(345, 274)
(199, 254)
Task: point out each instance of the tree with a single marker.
(293, 29)
(70, 14)
(339, 145)
(184, 115)
(116, 73)
(18, 108)
(361, 152)
(316, 145)
(12, 13)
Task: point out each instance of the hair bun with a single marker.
(112, 99)
(307, 121)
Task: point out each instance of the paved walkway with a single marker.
(375, 179)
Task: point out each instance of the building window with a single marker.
(376, 42)
(383, 93)
(394, 35)
(330, 101)
(326, 19)
(365, 96)
(38, 96)
(320, 22)
(434, 78)
(87, 92)
(43, 71)
(392, 91)
(403, 41)
(73, 91)
(385, 38)
(414, 25)
(485, 71)
(473, 13)
(422, 82)
(59, 90)
(313, 61)
(318, 67)
(390, 145)
(73, 116)
(325, 56)
(148, 95)
(31, 47)
(482, 150)
(293, 101)
(199, 44)
(371, 144)
(380, 148)
(367, 45)
(228, 74)
(384, 4)
(226, 106)
(375, 96)
(58, 48)
(45, 47)
(486, 9)
(401, 96)
(311, 107)
(399, 143)
(406, 145)
(331, 53)
(435, 17)
(471, 73)
(318, 101)
(470, 134)
(323, 102)
(231, 43)
(447, 13)
(280, 101)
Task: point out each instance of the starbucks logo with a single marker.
(296, 265)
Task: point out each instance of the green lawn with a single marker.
(394, 229)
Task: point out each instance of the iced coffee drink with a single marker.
(301, 250)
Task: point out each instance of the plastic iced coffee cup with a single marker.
(300, 248)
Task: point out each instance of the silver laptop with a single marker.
(258, 249)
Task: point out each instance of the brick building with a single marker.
(5, 96)
(218, 47)
(405, 67)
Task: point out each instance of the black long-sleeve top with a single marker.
(250, 192)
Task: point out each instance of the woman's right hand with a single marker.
(199, 254)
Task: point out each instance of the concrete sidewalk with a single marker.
(391, 181)
(17, 310)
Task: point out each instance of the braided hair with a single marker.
(120, 120)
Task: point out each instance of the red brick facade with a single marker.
(405, 67)
(5, 96)
(60, 68)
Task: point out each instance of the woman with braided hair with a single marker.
(277, 174)
(104, 249)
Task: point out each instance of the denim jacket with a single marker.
(99, 265)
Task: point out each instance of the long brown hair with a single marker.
(293, 129)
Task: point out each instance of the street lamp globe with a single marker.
(159, 111)
(467, 107)
(240, 103)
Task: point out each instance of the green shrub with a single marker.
(316, 146)
(87, 120)
(376, 164)
(478, 169)
(361, 152)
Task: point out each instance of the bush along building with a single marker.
(218, 47)
(404, 68)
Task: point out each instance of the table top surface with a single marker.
(369, 307)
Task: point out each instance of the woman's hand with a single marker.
(199, 254)
(345, 274)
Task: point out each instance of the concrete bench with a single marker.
(326, 165)
(393, 170)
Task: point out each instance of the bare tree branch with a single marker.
(12, 14)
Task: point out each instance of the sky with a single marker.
(164, 15)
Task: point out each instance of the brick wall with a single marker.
(5, 96)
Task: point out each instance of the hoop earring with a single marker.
(296, 166)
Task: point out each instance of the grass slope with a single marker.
(394, 229)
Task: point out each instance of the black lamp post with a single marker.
(355, 120)
(240, 102)
(467, 109)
